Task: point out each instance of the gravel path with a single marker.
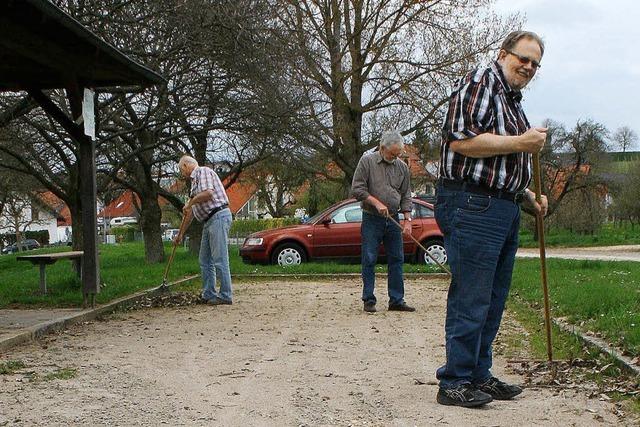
(285, 353)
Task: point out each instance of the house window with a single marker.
(35, 213)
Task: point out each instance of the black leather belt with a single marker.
(215, 211)
(480, 189)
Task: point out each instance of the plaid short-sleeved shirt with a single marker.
(483, 102)
(204, 178)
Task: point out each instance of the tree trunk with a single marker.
(150, 220)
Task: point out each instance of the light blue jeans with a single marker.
(214, 256)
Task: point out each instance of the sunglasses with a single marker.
(524, 60)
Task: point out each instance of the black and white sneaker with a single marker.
(498, 390)
(463, 395)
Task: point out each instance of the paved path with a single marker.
(604, 253)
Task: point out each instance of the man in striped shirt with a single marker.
(209, 204)
(485, 168)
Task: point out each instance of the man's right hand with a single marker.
(533, 140)
(177, 240)
(382, 209)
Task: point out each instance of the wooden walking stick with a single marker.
(543, 256)
(173, 252)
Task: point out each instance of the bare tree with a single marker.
(364, 66)
(625, 138)
(572, 159)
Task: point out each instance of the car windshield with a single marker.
(320, 214)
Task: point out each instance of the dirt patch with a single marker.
(286, 353)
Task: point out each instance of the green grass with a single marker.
(124, 271)
(60, 374)
(599, 296)
(10, 366)
(609, 235)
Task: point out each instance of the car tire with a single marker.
(288, 254)
(436, 248)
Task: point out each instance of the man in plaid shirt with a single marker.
(209, 204)
(485, 168)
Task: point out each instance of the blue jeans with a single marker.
(214, 256)
(481, 239)
(375, 230)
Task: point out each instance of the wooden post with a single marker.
(88, 197)
(43, 279)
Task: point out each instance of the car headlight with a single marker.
(253, 241)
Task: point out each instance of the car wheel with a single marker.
(288, 254)
(435, 248)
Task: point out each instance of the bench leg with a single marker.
(43, 279)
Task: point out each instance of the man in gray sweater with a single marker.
(382, 184)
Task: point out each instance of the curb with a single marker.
(35, 332)
(601, 345)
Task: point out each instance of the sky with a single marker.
(591, 65)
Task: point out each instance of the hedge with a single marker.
(124, 233)
(244, 227)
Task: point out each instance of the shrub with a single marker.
(244, 227)
(124, 233)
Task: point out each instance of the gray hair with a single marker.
(187, 160)
(514, 37)
(390, 138)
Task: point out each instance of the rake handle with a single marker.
(543, 255)
(173, 251)
(421, 247)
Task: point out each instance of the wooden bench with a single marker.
(45, 259)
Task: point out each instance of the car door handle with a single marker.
(415, 226)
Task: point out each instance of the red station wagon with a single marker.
(335, 233)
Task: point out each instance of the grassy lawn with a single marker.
(599, 296)
(123, 271)
(609, 235)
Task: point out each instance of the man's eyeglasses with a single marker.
(524, 60)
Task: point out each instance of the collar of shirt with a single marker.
(515, 95)
(193, 172)
(379, 158)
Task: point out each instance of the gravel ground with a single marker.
(285, 353)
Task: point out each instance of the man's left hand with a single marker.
(533, 207)
(186, 209)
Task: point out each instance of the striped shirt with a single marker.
(483, 102)
(202, 179)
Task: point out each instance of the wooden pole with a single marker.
(173, 252)
(543, 255)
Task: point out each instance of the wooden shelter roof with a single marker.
(42, 47)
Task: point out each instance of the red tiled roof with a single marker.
(239, 194)
(58, 206)
(121, 206)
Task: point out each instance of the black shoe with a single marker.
(218, 301)
(463, 395)
(498, 390)
(370, 307)
(401, 307)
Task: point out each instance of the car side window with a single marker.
(421, 211)
(349, 213)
